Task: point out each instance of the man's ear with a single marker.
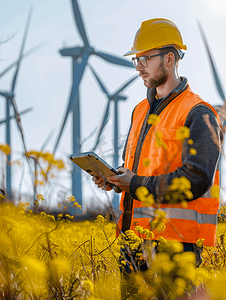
(169, 59)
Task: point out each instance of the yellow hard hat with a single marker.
(156, 33)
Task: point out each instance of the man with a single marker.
(156, 154)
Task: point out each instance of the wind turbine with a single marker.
(80, 56)
(217, 82)
(115, 97)
(10, 101)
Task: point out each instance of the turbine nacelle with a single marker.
(76, 51)
(118, 97)
(7, 95)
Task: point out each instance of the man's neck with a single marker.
(165, 89)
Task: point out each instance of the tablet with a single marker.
(93, 164)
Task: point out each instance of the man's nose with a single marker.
(139, 66)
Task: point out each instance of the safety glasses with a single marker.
(144, 59)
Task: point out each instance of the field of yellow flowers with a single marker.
(43, 257)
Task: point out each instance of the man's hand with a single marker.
(123, 180)
(100, 183)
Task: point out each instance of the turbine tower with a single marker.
(80, 56)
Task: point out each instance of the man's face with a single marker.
(155, 73)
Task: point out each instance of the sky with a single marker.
(45, 76)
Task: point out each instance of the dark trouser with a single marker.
(128, 287)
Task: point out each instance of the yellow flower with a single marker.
(175, 184)
(60, 164)
(33, 153)
(160, 214)
(16, 162)
(149, 200)
(100, 220)
(141, 193)
(146, 162)
(51, 218)
(2, 197)
(199, 243)
(184, 204)
(215, 191)
(186, 182)
(159, 141)
(174, 247)
(59, 205)
(75, 204)
(181, 184)
(192, 151)
(5, 149)
(139, 229)
(149, 234)
(40, 197)
(160, 227)
(161, 240)
(180, 286)
(190, 142)
(48, 157)
(182, 133)
(188, 194)
(71, 198)
(153, 119)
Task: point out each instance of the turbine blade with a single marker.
(122, 97)
(77, 76)
(76, 51)
(47, 140)
(21, 50)
(216, 77)
(114, 59)
(19, 125)
(26, 110)
(104, 122)
(99, 81)
(21, 113)
(3, 94)
(23, 56)
(125, 85)
(79, 22)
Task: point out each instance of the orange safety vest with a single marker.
(199, 219)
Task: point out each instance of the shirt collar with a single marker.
(151, 92)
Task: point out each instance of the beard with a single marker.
(158, 80)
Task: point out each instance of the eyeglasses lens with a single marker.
(142, 60)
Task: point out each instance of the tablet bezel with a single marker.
(93, 164)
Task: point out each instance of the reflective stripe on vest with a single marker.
(177, 213)
(199, 219)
